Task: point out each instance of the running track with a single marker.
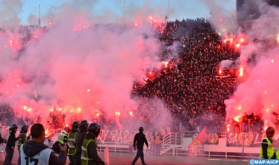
(126, 159)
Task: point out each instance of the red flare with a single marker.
(241, 72)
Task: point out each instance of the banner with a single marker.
(251, 139)
(196, 147)
(119, 136)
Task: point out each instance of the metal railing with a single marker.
(178, 150)
(212, 152)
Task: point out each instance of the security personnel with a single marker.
(22, 138)
(35, 152)
(89, 154)
(276, 154)
(79, 139)
(140, 139)
(62, 140)
(11, 145)
(72, 138)
(267, 149)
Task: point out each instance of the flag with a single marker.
(106, 156)
(196, 147)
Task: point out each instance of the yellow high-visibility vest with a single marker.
(270, 149)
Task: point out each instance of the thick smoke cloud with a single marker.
(258, 93)
(77, 68)
(9, 11)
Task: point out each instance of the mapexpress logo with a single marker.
(263, 161)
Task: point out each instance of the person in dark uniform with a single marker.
(140, 139)
(11, 145)
(89, 154)
(72, 145)
(21, 139)
(79, 139)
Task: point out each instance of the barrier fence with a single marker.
(173, 144)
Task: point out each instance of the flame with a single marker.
(98, 114)
(272, 61)
(237, 118)
(150, 72)
(131, 113)
(88, 90)
(117, 113)
(241, 72)
(228, 127)
(242, 40)
(150, 17)
(229, 39)
(17, 85)
(46, 132)
(166, 63)
(272, 105)
(220, 71)
(24, 107)
(237, 45)
(239, 107)
(79, 109)
(67, 125)
(267, 109)
(265, 92)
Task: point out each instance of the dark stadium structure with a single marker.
(249, 10)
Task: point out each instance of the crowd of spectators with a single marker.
(189, 84)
